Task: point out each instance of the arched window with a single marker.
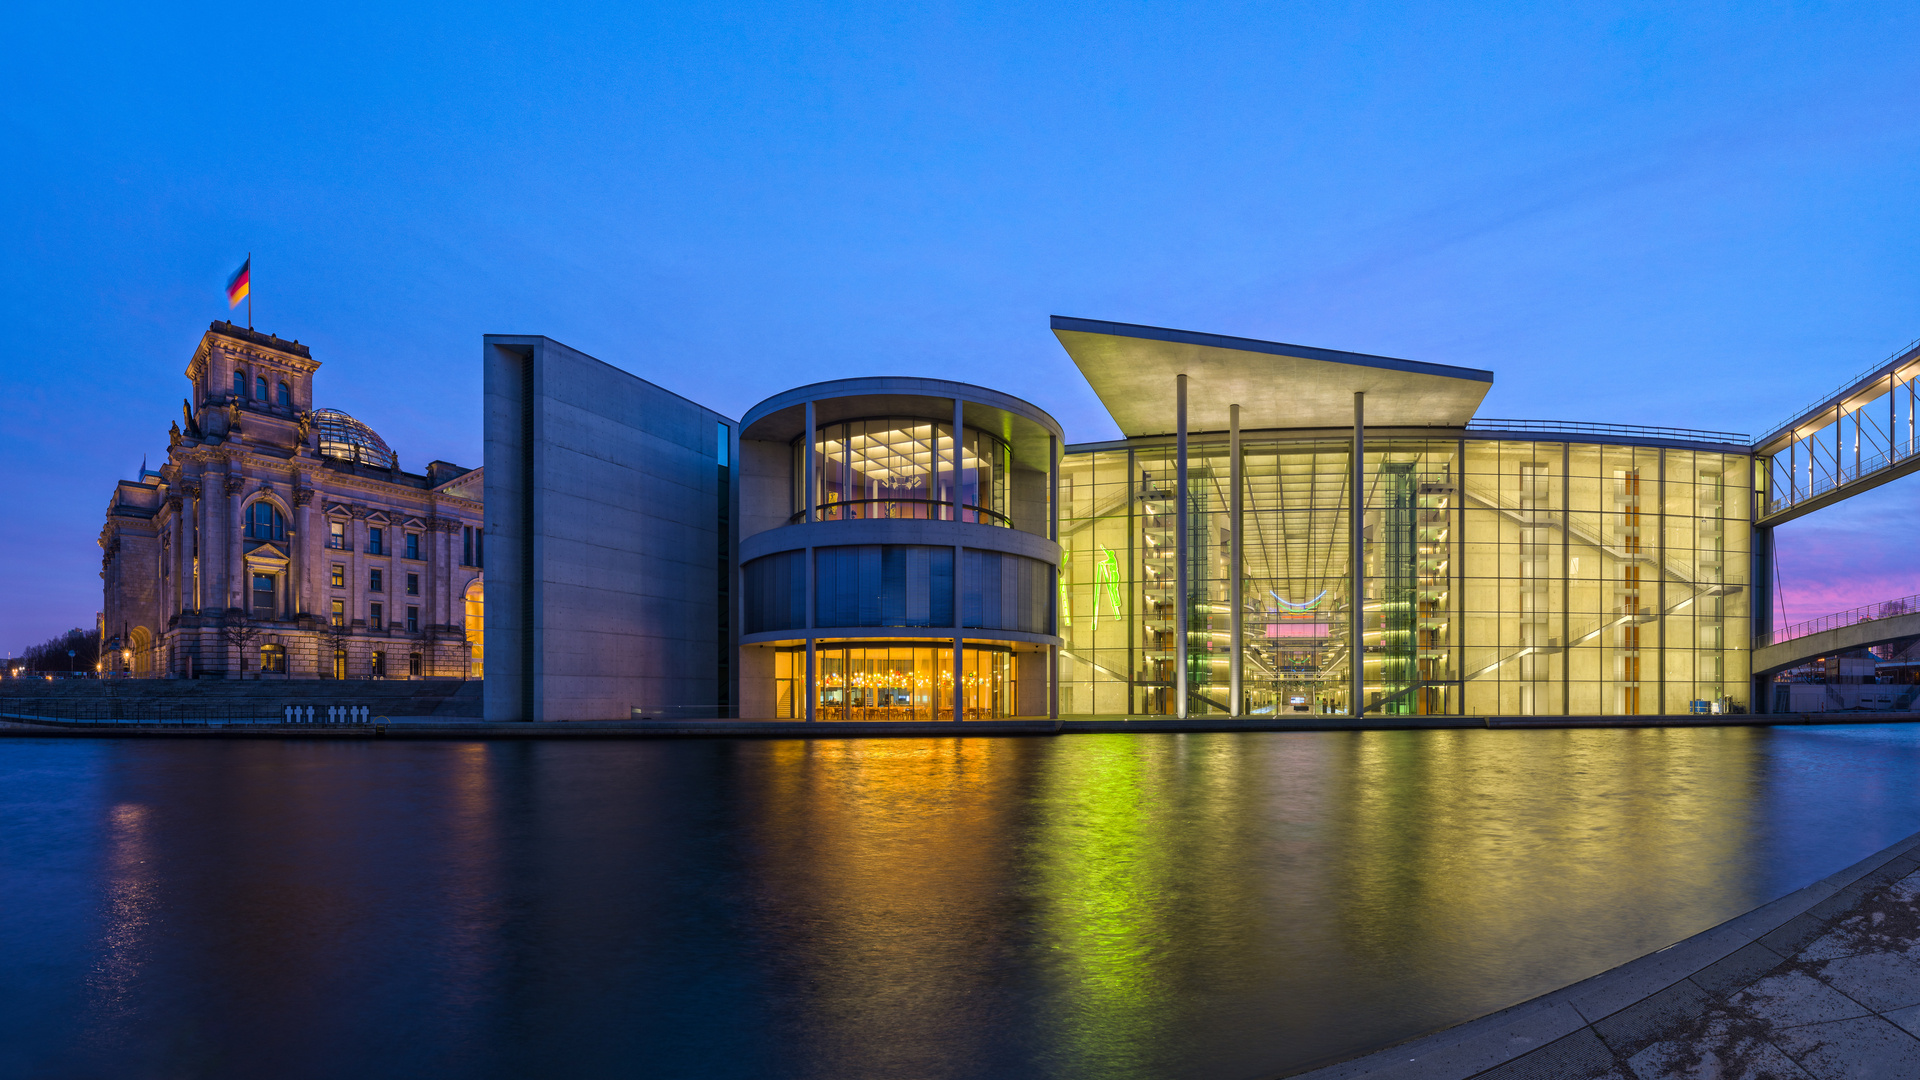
(286, 397)
(264, 522)
(240, 384)
(260, 388)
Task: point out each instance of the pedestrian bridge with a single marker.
(1852, 441)
(1856, 628)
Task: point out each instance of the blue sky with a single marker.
(1696, 215)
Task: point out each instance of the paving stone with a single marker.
(1795, 998)
(1839, 903)
(1735, 971)
(1795, 933)
(1880, 981)
(1726, 1058)
(1662, 1016)
(1908, 1018)
(1579, 1056)
(1843, 940)
(1866, 1048)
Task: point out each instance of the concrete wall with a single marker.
(604, 505)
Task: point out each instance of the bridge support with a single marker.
(1760, 692)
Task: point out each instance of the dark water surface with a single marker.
(1219, 905)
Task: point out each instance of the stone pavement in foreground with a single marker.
(1822, 983)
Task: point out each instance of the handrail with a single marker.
(1823, 403)
(1886, 609)
(1583, 427)
(821, 511)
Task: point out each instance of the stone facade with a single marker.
(279, 541)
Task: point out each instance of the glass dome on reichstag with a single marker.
(346, 439)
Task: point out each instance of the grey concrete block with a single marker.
(1880, 981)
(1867, 1048)
(1737, 970)
(1611, 991)
(1661, 1016)
(1579, 1056)
(1795, 934)
(1795, 998)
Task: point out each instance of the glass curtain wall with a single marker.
(1501, 578)
(899, 467)
(895, 681)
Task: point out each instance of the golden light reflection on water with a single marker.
(1320, 891)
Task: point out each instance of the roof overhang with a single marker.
(1133, 370)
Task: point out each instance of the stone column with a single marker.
(303, 552)
(236, 569)
(180, 568)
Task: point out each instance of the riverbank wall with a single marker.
(15, 720)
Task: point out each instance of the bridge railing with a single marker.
(1886, 609)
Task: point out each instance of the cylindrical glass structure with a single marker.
(902, 467)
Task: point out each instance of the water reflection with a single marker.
(1116, 906)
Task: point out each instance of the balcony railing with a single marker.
(909, 509)
(1886, 609)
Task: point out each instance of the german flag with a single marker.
(240, 283)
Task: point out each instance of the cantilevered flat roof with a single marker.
(1133, 369)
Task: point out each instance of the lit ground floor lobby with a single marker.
(896, 680)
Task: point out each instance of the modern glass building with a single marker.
(1281, 532)
(897, 553)
(1289, 530)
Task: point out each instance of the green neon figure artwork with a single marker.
(1107, 576)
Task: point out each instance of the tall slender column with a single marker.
(813, 674)
(301, 548)
(236, 588)
(1235, 516)
(959, 679)
(959, 421)
(1356, 530)
(1180, 642)
(809, 496)
(1053, 533)
(182, 539)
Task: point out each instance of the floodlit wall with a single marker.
(610, 543)
(1501, 578)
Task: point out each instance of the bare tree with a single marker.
(333, 638)
(239, 632)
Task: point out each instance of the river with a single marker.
(1215, 906)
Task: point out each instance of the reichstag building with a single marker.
(283, 541)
